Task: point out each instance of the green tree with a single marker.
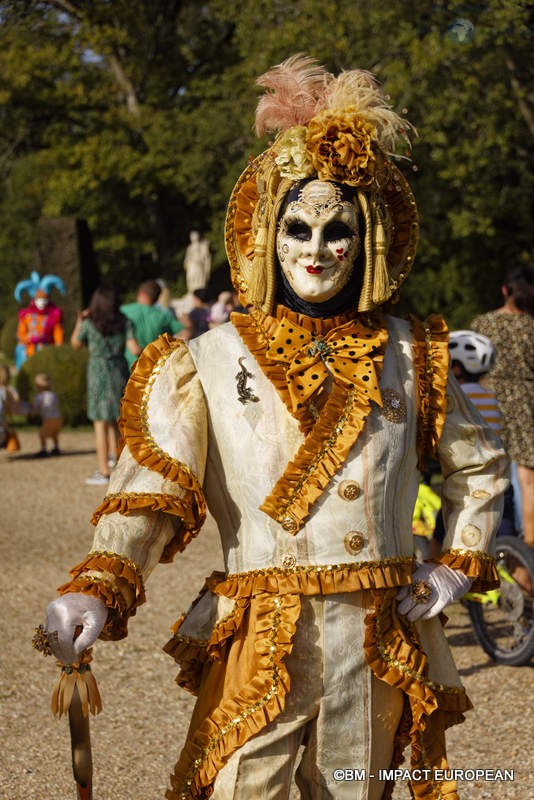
(138, 116)
(472, 103)
(95, 111)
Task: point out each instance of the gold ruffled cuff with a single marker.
(431, 362)
(130, 502)
(115, 580)
(478, 566)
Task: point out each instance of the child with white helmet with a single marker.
(472, 356)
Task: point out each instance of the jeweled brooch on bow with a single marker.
(319, 347)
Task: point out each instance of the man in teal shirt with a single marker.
(149, 320)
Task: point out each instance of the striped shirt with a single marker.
(486, 403)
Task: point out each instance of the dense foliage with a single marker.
(138, 115)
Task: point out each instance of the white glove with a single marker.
(443, 586)
(67, 612)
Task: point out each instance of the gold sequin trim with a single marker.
(406, 670)
(144, 413)
(133, 495)
(431, 363)
(311, 568)
(473, 553)
(247, 712)
(117, 557)
(428, 766)
(135, 428)
(90, 577)
(316, 462)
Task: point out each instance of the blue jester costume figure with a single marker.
(40, 324)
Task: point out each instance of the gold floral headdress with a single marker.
(335, 129)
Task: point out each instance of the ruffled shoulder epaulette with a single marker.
(431, 364)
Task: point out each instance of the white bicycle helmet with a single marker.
(475, 352)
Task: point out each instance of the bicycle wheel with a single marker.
(503, 619)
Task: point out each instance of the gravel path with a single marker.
(43, 531)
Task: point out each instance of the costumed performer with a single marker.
(41, 323)
(304, 424)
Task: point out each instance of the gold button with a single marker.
(288, 560)
(471, 535)
(354, 542)
(480, 494)
(349, 490)
(288, 524)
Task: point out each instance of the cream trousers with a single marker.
(337, 729)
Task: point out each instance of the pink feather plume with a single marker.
(297, 90)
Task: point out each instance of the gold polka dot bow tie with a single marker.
(351, 354)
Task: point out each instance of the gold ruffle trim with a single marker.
(245, 205)
(130, 502)
(313, 580)
(329, 437)
(244, 683)
(394, 653)
(431, 363)
(117, 578)
(136, 433)
(477, 565)
(76, 676)
(191, 653)
(219, 730)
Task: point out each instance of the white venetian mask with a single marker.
(318, 241)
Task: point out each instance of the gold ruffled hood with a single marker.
(331, 128)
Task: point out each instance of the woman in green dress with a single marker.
(106, 332)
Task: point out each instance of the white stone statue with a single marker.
(197, 262)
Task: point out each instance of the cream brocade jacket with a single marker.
(313, 493)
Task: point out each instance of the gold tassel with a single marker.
(77, 675)
(365, 301)
(381, 289)
(257, 286)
